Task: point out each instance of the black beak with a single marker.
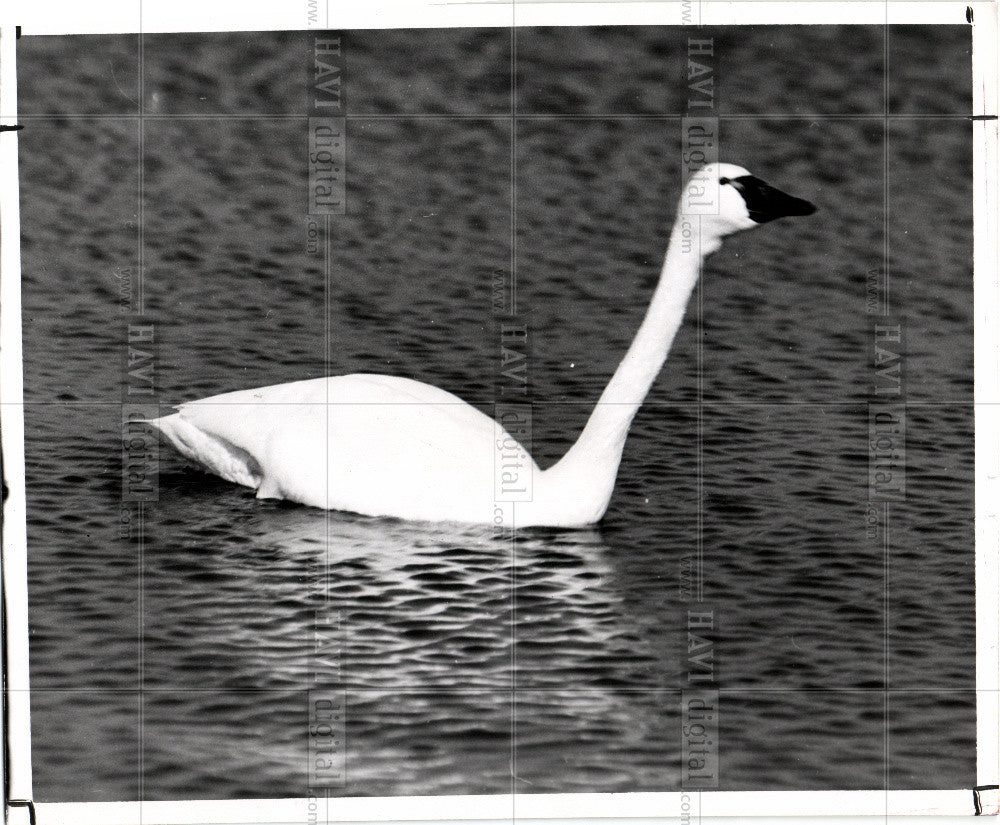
(765, 203)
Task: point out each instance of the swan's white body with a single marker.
(397, 447)
(387, 446)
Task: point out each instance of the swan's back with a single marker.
(354, 442)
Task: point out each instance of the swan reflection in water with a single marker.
(437, 634)
(399, 603)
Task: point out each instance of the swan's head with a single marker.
(730, 199)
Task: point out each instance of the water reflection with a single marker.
(440, 635)
(295, 594)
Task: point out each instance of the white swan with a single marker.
(386, 446)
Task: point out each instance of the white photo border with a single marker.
(17, 709)
(162, 16)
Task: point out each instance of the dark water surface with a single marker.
(843, 650)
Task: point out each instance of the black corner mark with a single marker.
(17, 32)
(983, 117)
(16, 128)
(24, 803)
(975, 796)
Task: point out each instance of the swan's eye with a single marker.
(724, 180)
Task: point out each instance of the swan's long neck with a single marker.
(594, 458)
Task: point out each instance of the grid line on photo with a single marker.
(738, 403)
(503, 117)
(502, 689)
(513, 312)
(886, 505)
(139, 313)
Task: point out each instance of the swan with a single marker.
(381, 445)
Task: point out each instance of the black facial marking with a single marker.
(765, 203)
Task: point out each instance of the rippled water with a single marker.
(463, 655)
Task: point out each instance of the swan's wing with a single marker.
(213, 453)
(248, 419)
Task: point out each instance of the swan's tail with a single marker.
(215, 454)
